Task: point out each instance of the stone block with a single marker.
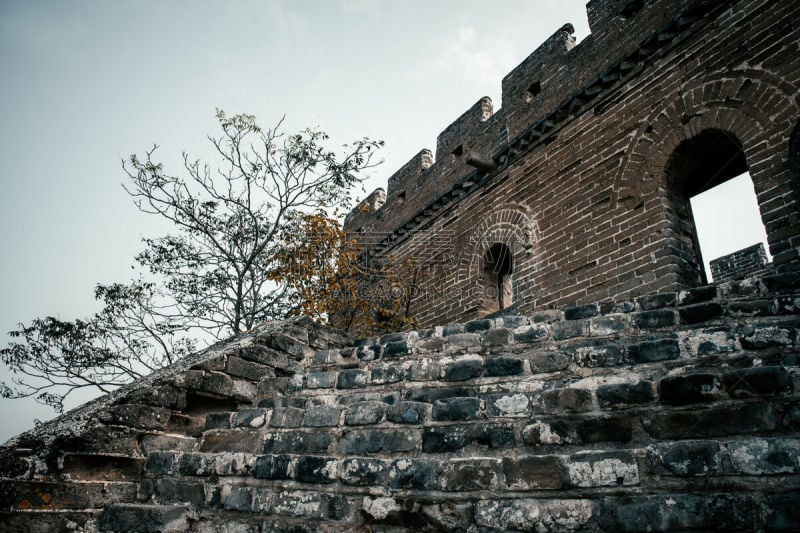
(362, 471)
(236, 366)
(503, 365)
(693, 314)
(602, 469)
(173, 491)
(364, 413)
(144, 518)
(498, 337)
(677, 512)
(233, 440)
(697, 294)
(407, 413)
(760, 336)
(625, 394)
(581, 311)
(137, 416)
(286, 417)
(579, 431)
(273, 467)
(384, 373)
(656, 301)
(336, 507)
(322, 416)
(470, 474)
(693, 388)
(299, 504)
(218, 420)
(563, 514)
(568, 400)
(423, 370)
(314, 441)
(714, 421)
(764, 456)
(657, 318)
(376, 440)
(597, 353)
(529, 334)
(534, 472)
(687, 458)
(607, 325)
(569, 329)
(455, 409)
(782, 512)
(543, 362)
(462, 369)
(757, 382)
(415, 474)
(253, 418)
(320, 380)
(475, 326)
(310, 469)
(507, 405)
(352, 378)
(454, 438)
(397, 349)
(653, 351)
(159, 462)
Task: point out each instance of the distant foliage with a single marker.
(233, 260)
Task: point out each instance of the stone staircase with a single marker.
(674, 412)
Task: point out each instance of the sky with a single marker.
(86, 83)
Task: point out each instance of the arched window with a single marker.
(498, 267)
(704, 210)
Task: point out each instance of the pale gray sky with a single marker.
(85, 83)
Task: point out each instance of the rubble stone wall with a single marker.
(675, 411)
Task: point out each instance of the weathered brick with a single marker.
(454, 438)
(533, 472)
(533, 333)
(656, 301)
(320, 380)
(694, 388)
(174, 491)
(625, 394)
(310, 469)
(352, 378)
(254, 418)
(474, 326)
(362, 471)
(561, 514)
(236, 366)
(469, 474)
(419, 474)
(711, 422)
(233, 440)
(376, 440)
(462, 369)
(544, 362)
(458, 408)
(396, 349)
(286, 417)
(596, 353)
(387, 373)
(602, 469)
(657, 318)
(579, 431)
(654, 351)
(498, 337)
(570, 329)
(272, 467)
(692, 314)
(758, 456)
(687, 458)
(678, 512)
(300, 504)
(507, 404)
(567, 400)
(760, 336)
(756, 382)
(297, 442)
(407, 413)
(782, 511)
(218, 420)
(322, 416)
(503, 365)
(582, 311)
(143, 518)
(697, 294)
(363, 413)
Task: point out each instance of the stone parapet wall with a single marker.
(671, 412)
(745, 263)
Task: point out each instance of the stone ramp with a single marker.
(674, 412)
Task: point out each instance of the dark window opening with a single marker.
(401, 197)
(534, 89)
(704, 211)
(498, 268)
(457, 152)
(631, 8)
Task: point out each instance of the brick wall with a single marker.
(584, 171)
(745, 263)
(675, 411)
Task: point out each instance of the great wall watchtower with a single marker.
(583, 175)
